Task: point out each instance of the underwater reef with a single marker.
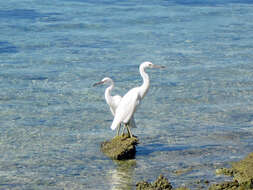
(241, 172)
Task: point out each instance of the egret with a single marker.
(128, 104)
(113, 101)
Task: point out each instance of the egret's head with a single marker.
(105, 80)
(148, 64)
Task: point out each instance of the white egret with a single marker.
(113, 101)
(132, 99)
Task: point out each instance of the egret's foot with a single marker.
(131, 135)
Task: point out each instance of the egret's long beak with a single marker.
(158, 66)
(98, 83)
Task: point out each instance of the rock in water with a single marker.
(242, 173)
(161, 183)
(120, 147)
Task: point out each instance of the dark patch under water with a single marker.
(6, 47)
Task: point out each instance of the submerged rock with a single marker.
(120, 147)
(242, 173)
(183, 171)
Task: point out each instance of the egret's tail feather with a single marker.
(114, 125)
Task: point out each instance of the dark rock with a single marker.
(120, 147)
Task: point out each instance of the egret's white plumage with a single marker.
(113, 101)
(128, 104)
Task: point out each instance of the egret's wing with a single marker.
(115, 103)
(126, 108)
(116, 100)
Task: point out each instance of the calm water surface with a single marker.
(197, 116)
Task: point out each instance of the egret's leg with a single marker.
(118, 129)
(123, 130)
(129, 131)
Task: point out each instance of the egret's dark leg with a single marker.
(129, 131)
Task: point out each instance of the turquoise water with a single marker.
(197, 115)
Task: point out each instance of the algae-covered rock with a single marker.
(143, 185)
(242, 173)
(230, 185)
(161, 183)
(225, 171)
(120, 147)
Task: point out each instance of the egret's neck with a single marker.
(108, 96)
(145, 86)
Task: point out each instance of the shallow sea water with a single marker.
(196, 117)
